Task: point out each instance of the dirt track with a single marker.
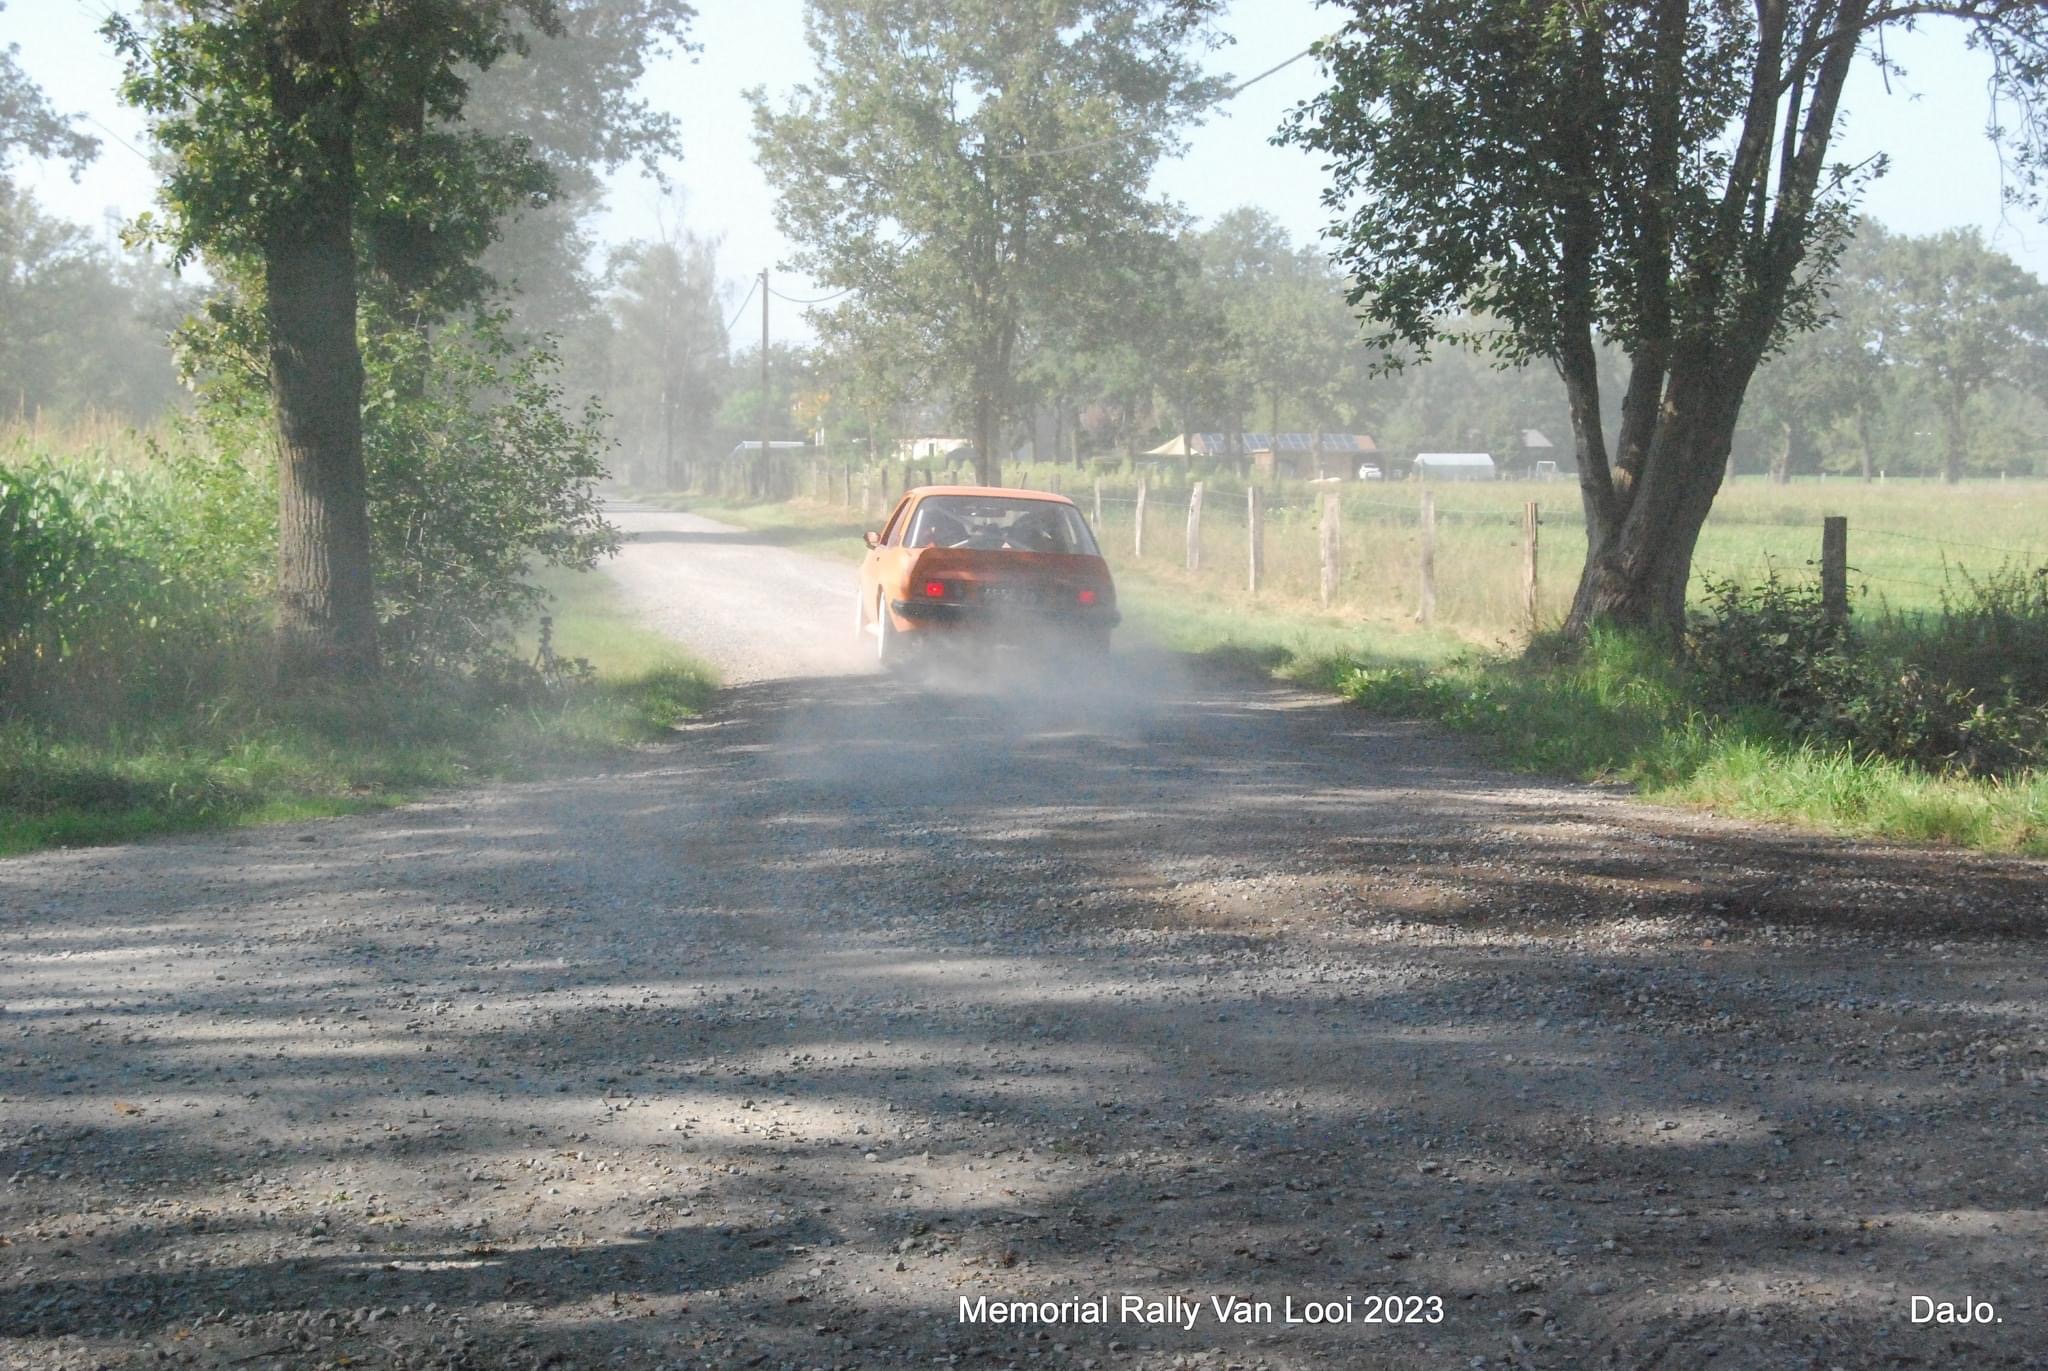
(866, 996)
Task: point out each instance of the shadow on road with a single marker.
(871, 993)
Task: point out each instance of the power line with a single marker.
(118, 139)
(743, 305)
(1230, 94)
(814, 300)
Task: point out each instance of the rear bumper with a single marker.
(1019, 618)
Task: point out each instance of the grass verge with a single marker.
(256, 758)
(1620, 711)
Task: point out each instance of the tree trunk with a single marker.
(327, 618)
(984, 441)
(1640, 542)
(1863, 441)
(1958, 437)
(1781, 464)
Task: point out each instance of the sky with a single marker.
(1944, 171)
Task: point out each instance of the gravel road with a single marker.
(768, 1048)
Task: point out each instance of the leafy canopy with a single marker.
(965, 165)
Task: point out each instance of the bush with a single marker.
(1769, 644)
(1965, 689)
(477, 472)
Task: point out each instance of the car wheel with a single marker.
(886, 649)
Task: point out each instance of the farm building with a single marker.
(1454, 466)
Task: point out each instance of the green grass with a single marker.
(1622, 711)
(256, 759)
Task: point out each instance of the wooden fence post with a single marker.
(1195, 527)
(866, 496)
(1098, 502)
(1138, 538)
(1255, 536)
(1834, 568)
(1331, 548)
(1427, 612)
(1531, 521)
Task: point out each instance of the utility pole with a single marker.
(763, 468)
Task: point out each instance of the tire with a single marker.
(888, 653)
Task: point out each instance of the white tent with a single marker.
(1454, 466)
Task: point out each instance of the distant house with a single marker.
(1454, 466)
(752, 448)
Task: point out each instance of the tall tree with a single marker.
(957, 159)
(30, 124)
(573, 94)
(1969, 319)
(82, 324)
(669, 332)
(293, 127)
(1656, 174)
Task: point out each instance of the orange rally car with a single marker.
(985, 563)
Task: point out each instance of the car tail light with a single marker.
(935, 590)
(1087, 597)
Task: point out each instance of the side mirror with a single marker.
(871, 539)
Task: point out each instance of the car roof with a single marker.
(1010, 492)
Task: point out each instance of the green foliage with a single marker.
(28, 122)
(969, 165)
(1650, 176)
(152, 722)
(1769, 643)
(669, 372)
(1965, 689)
(477, 473)
(121, 590)
(383, 95)
(81, 327)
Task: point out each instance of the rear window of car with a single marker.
(996, 522)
